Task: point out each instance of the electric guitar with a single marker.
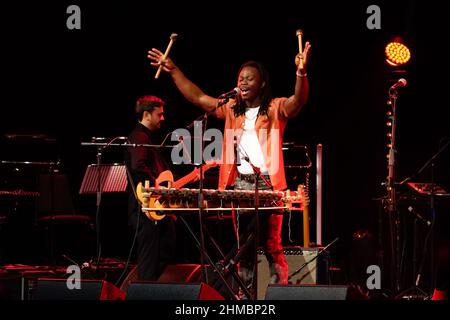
(147, 201)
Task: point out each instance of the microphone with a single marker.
(230, 94)
(96, 139)
(400, 83)
(100, 139)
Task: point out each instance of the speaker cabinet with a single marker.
(315, 272)
(171, 291)
(193, 273)
(57, 289)
(308, 292)
(172, 273)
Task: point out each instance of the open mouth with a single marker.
(244, 92)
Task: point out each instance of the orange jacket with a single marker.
(270, 131)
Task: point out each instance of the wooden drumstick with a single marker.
(299, 34)
(173, 37)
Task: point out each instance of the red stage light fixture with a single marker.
(397, 54)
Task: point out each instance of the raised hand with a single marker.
(305, 56)
(157, 57)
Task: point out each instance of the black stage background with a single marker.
(75, 84)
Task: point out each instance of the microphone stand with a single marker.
(201, 198)
(428, 163)
(52, 170)
(203, 123)
(416, 277)
(391, 205)
(257, 172)
(98, 201)
(203, 117)
(432, 227)
(100, 149)
(258, 176)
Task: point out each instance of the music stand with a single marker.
(101, 178)
(113, 178)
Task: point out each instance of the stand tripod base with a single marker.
(413, 293)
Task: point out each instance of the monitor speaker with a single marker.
(171, 291)
(309, 292)
(57, 289)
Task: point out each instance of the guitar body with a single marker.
(147, 201)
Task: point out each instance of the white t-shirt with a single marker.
(249, 145)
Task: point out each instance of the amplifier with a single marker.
(315, 272)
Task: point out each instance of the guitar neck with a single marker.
(195, 174)
(306, 226)
(184, 180)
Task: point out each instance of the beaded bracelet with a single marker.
(301, 75)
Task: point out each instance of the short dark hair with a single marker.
(147, 103)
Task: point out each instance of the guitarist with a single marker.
(155, 241)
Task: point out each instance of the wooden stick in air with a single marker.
(173, 36)
(299, 34)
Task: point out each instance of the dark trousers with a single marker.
(156, 244)
(270, 225)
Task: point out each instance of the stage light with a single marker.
(397, 54)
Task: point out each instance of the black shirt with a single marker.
(144, 163)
